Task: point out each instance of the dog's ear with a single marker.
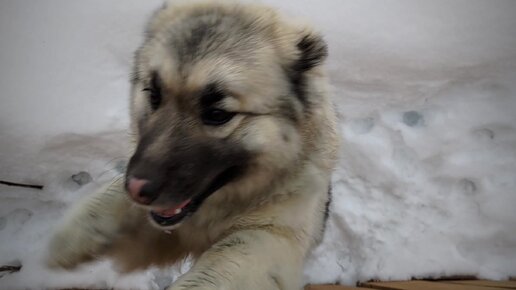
(312, 52)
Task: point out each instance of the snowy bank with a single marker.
(426, 93)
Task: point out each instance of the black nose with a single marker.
(142, 191)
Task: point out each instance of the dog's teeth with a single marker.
(178, 211)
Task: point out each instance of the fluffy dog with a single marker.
(235, 141)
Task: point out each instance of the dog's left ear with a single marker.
(312, 52)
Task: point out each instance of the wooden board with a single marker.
(486, 283)
(332, 287)
(423, 285)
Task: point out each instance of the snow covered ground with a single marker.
(426, 92)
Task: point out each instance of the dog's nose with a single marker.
(141, 190)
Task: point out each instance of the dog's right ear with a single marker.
(312, 52)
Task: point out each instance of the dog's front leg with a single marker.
(264, 259)
(92, 227)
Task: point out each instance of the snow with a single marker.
(426, 94)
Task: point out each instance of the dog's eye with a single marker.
(154, 97)
(154, 91)
(216, 117)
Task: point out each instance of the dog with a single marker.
(235, 139)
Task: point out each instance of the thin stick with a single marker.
(21, 184)
(11, 269)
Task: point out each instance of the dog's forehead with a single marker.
(186, 79)
(252, 76)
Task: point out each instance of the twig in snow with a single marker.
(10, 269)
(40, 187)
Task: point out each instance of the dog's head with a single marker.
(220, 99)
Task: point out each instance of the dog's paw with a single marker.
(84, 237)
(77, 244)
(91, 228)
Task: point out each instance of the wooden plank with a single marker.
(423, 285)
(486, 283)
(331, 287)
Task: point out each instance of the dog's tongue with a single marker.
(169, 212)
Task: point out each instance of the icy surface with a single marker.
(426, 93)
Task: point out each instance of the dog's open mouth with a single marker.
(174, 215)
(171, 216)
